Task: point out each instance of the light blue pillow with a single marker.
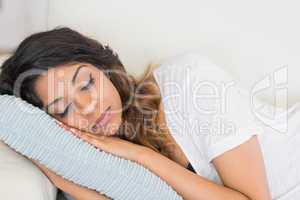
(35, 134)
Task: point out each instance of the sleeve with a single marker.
(223, 111)
(236, 124)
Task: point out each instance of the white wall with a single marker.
(19, 18)
(250, 38)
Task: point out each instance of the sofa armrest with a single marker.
(21, 179)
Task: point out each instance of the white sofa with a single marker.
(250, 39)
(19, 178)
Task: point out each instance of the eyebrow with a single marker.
(73, 82)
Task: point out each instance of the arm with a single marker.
(241, 169)
(192, 186)
(77, 192)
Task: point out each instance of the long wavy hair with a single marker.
(45, 50)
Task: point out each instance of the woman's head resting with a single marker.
(80, 95)
(76, 79)
(72, 77)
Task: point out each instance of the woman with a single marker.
(84, 85)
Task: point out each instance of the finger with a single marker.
(94, 136)
(62, 125)
(39, 165)
(89, 138)
(58, 122)
(74, 131)
(35, 162)
(97, 142)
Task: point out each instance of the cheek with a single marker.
(77, 121)
(106, 90)
(117, 104)
(41, 90)
(113, 95)
(110, 96)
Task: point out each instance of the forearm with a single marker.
(80, 193)
(189, 185)
(76, 191)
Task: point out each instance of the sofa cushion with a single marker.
(20, 178)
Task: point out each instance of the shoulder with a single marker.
(183, 60)
(191, 66)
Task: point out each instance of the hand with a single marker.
(113, 145)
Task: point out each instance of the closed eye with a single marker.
(88, 85)
(63, 114)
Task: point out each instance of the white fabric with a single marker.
(200, 135)
(242, 36)
(20, 178)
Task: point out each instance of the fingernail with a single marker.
(73, 130)
(58, 122)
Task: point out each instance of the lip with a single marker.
(103, 119)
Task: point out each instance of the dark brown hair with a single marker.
(45, 50)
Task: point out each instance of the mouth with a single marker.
(103, 119)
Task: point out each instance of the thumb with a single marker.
(74, 131)
(98, 142)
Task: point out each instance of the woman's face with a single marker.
(78, 95)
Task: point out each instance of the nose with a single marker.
(83, 103)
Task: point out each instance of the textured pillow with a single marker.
(35, 134)
(19, 177)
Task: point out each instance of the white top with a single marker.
(209, 114)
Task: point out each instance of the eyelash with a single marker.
(87, 86)
(63, 114)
